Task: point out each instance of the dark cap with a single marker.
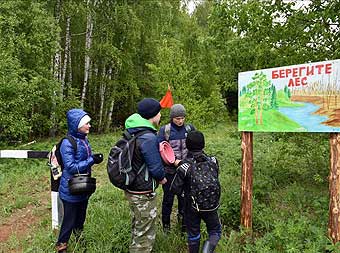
(148, 108)
(195, 141)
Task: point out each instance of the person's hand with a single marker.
(97, 158)
(176, 162)
(163, 181)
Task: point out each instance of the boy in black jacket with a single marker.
(198, 177)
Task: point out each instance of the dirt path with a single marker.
(20, 223)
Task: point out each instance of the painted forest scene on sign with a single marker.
(298, 98)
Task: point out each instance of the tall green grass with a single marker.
(290, 197)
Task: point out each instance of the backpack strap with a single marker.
(129, 136)
(189, 128)
(72, 141)
(167, 129)
(212, 162)
(58, 153)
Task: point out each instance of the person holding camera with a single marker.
(77, 161)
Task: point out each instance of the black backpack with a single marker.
(205, 189)
(119, 165)
(55, 161)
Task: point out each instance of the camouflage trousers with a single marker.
(143, 226)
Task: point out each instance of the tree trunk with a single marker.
(334, 188)
(70, 78)
(89, 29)
(247, 180)
(261, 106)
(57, 56)
(109, 116)
(93, 101)
(102, 88)
(66, 54)
(57, 59)
(256, 111)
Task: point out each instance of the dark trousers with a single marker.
(74, 218)
(168, 200)
(193, 223)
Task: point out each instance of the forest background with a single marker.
(106, 55)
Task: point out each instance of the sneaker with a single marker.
(61, 247)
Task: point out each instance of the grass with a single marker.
(273, 120)
(290, 197)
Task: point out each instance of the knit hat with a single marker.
(177, 110)
(148, 108)
(84, 120)
(195, 141)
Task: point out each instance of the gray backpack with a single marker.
(119, 165)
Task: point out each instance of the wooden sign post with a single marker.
(247, 180)
(334, 188)
(296, 98)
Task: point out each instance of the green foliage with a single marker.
(205, 105)
(290, 197)
(138, 48)
(272, 121)
(273, 100)
(26, 43)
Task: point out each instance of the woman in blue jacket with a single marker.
(74, 162)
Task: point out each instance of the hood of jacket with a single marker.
(73, 118)
(136, 121)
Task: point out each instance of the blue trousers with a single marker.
(74, 219)
(193, 223)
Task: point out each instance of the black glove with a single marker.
(97, 158)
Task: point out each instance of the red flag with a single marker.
(167, 101)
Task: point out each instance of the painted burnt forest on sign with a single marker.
(298, 98)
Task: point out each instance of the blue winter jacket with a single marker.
(177, 137)
(149, 148)
(74, 163)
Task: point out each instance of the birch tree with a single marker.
(57, 75)
(102, 88)
(28, 42)
(67, 53)
(88, 42)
